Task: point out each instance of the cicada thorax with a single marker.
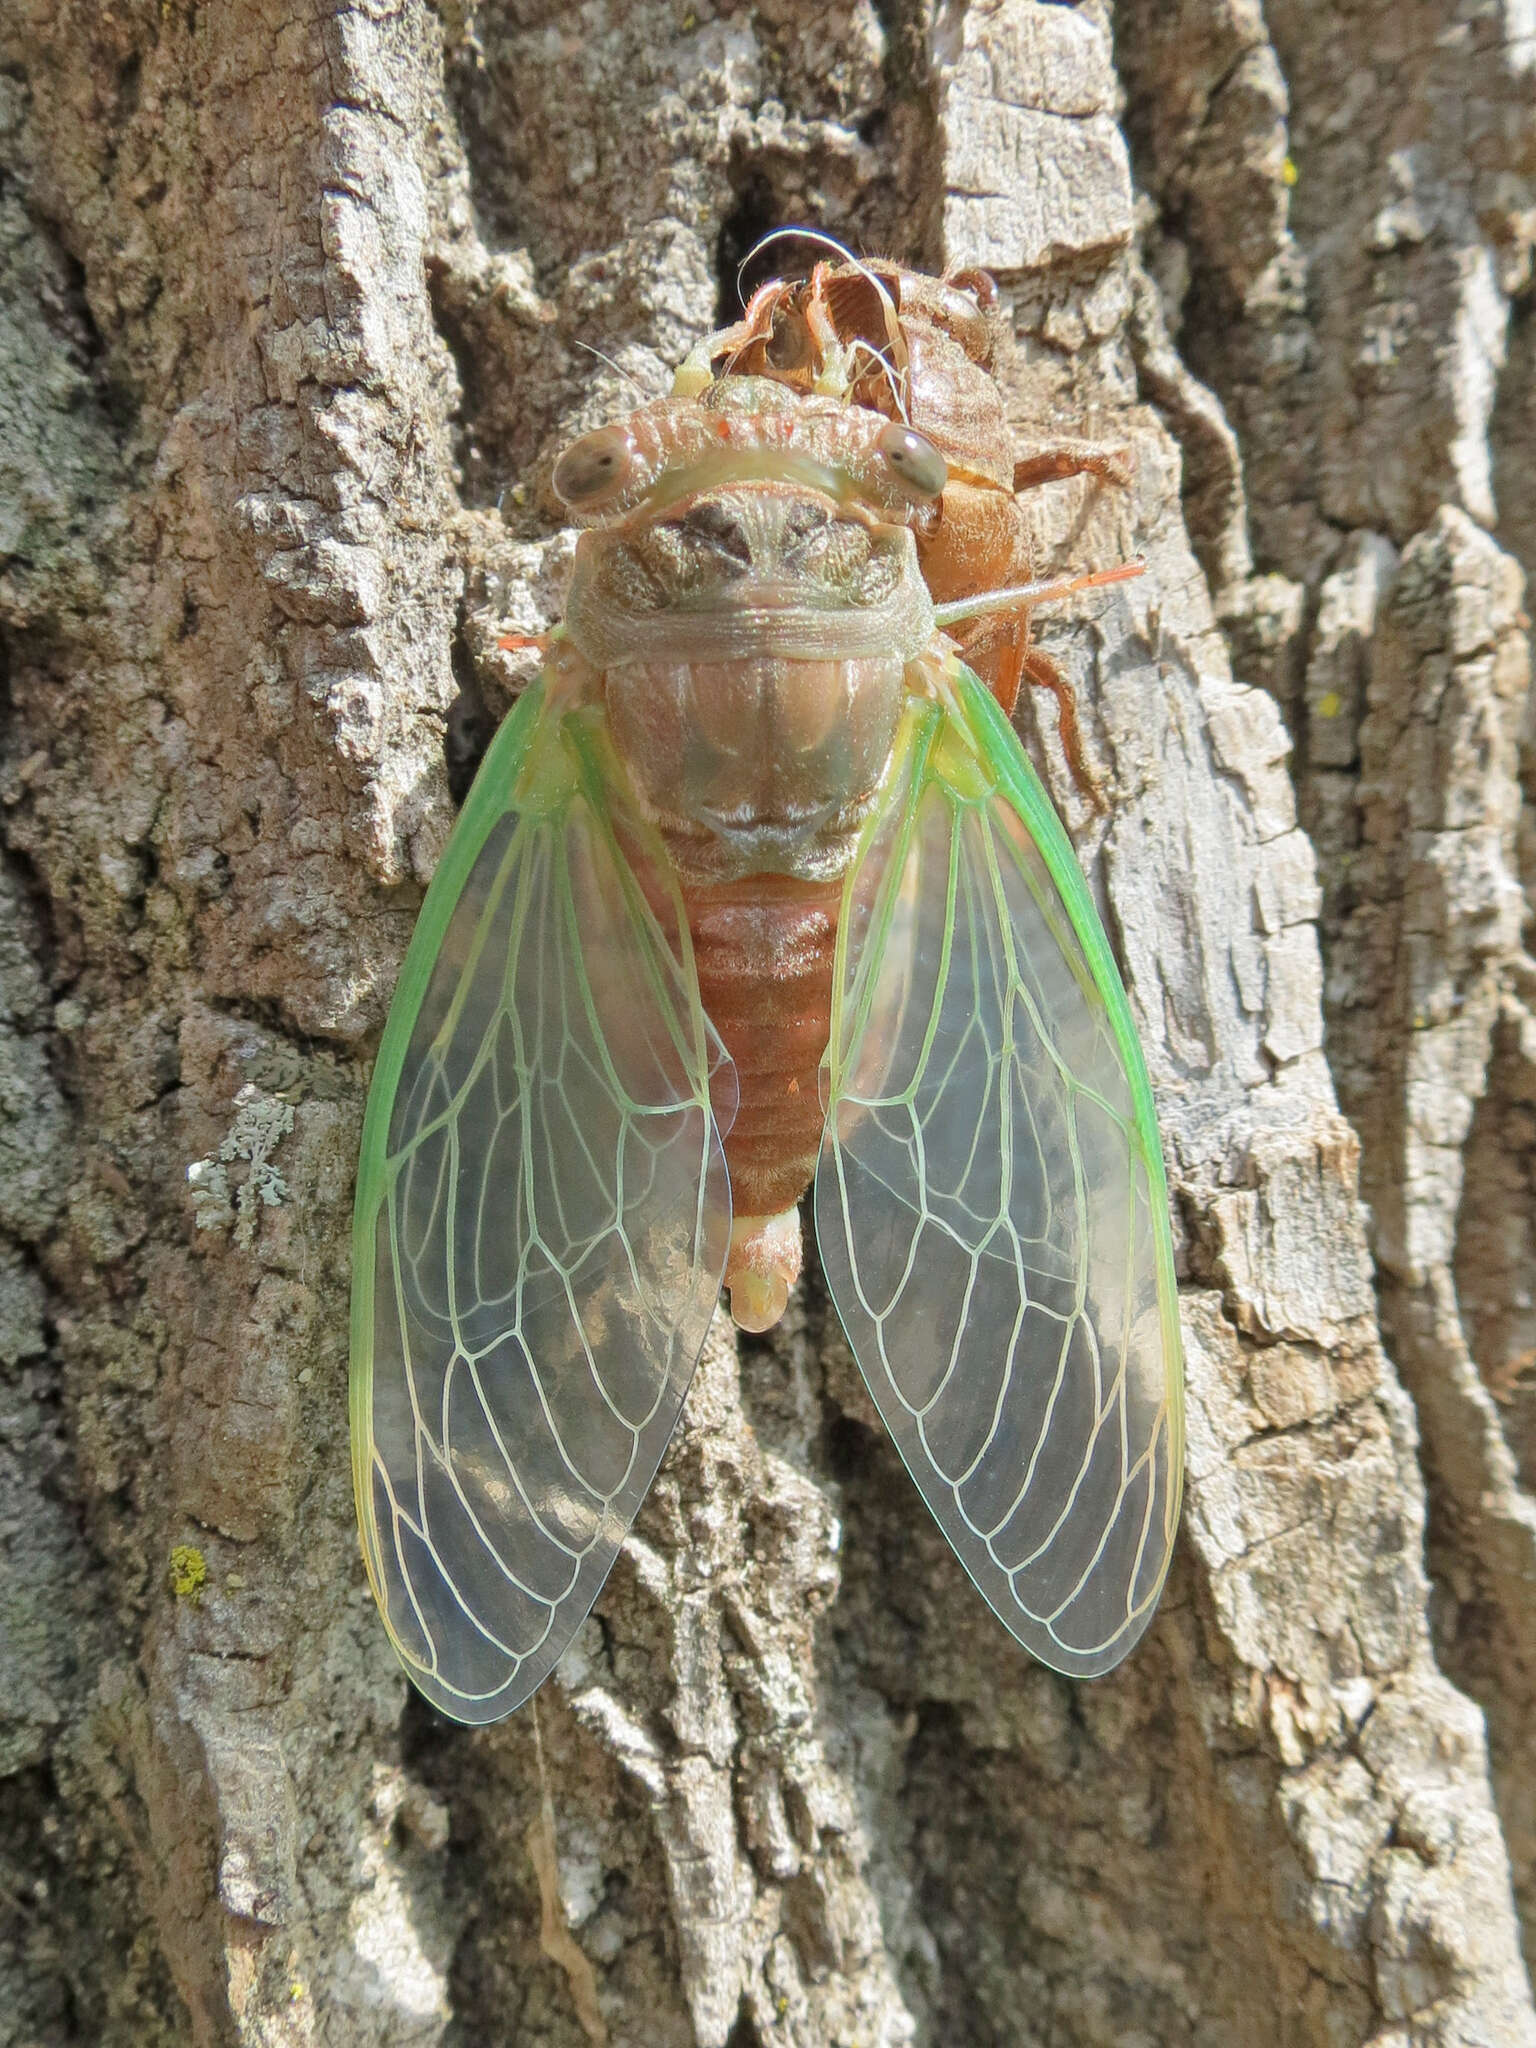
(748, 605)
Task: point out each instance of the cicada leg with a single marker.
(1112, 462)
(1003, 655)
(1045, 675)
(994, 614)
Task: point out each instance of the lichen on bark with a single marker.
(296, 305)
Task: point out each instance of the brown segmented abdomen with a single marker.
(759, 774)
(763, 947)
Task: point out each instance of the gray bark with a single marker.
(289, 294)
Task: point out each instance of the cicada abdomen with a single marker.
(757, 886)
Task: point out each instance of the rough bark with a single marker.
(290, 295)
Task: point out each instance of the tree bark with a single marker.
(296, 300)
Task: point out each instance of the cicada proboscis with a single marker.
(756, 888)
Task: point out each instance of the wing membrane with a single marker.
(991, 1203)
(542, 1219)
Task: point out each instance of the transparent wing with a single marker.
(990, 1202)
(542, 1220)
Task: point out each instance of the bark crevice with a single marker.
(290, 304)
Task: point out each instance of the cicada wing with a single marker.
(543, 1213)
(991, 1203)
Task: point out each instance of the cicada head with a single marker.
(749, 522)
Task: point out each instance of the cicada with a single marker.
(757, 889)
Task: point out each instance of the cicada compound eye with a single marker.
(918, 465)
(594, 468)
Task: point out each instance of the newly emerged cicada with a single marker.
(757, 887)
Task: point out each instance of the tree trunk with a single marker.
(296, 307)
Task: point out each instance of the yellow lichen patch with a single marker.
(1289, 175)
(188, 1571)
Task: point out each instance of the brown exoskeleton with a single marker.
(923, 351)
